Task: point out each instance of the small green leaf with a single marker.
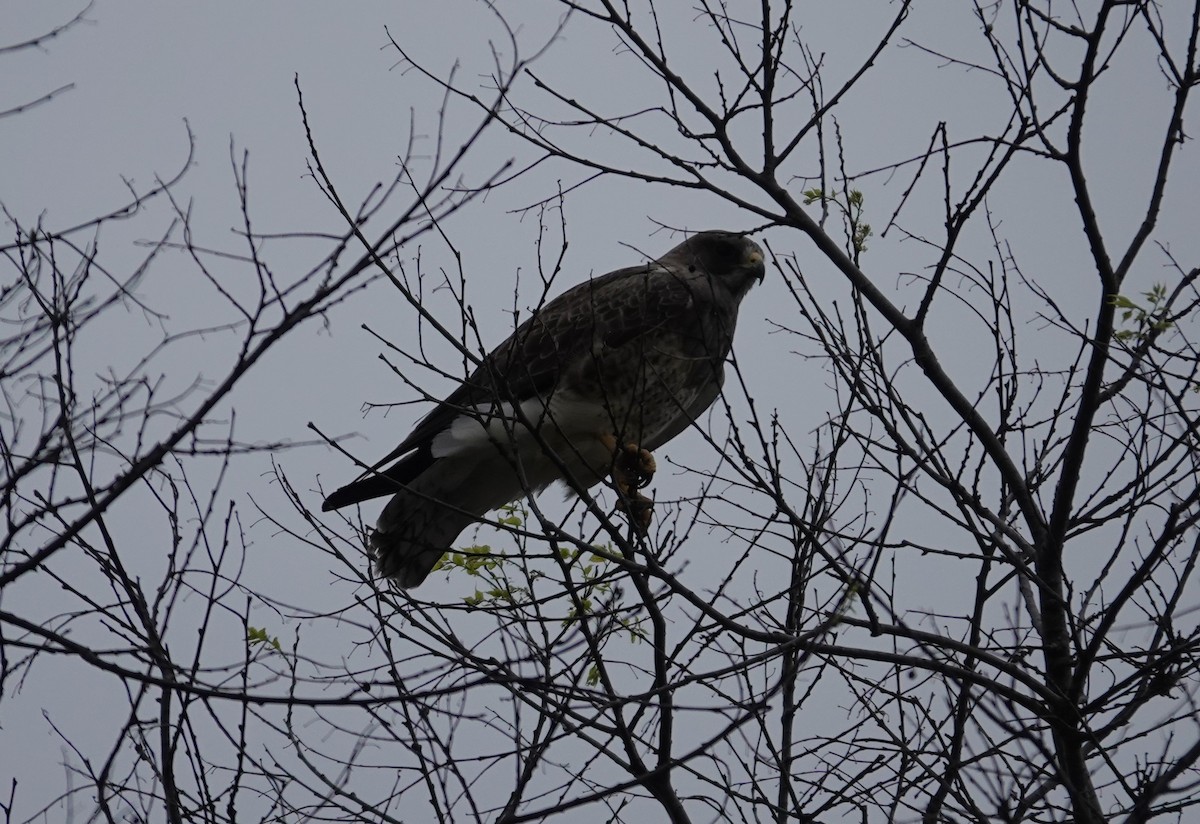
(256, 636)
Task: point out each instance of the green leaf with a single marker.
(256, 636)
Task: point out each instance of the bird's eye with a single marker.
(691, 268)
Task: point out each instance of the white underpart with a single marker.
(541, 439)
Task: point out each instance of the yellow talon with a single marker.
(640, 510)
(633, 469)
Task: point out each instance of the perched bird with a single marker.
(586, 387)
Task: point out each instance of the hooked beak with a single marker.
(756, 260)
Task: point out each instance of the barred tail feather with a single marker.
(407, 554)
(424, 518)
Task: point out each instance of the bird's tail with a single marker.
(412, 533)
(422, 521)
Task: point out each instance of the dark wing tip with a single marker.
(337, 499)
(376, 484)
(364, 489)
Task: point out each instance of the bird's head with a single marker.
(729, 257)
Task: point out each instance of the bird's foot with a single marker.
(639, 508)
(633, 468)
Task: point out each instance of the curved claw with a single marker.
(633, 469)
(640, 510)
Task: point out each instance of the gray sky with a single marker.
(139, 71)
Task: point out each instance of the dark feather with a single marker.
(377, 484)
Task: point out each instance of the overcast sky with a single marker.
(140, 75)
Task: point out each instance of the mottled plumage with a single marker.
(631, 357)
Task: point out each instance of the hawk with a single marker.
(585, 388)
